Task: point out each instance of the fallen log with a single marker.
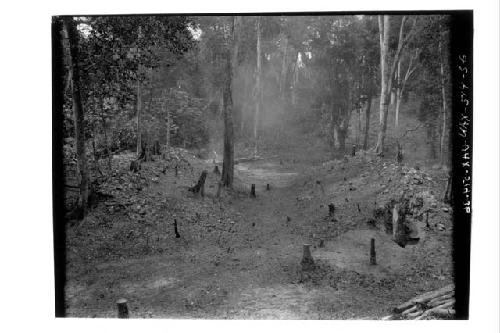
(441, 313)
(424, 298)
(411, 309)
(440, 300)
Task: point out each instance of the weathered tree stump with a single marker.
(252, 191)
(135, 166)
(177, 235)
(331, 210)
(307, 262)
(399, 154)
(373, 254)
(122, 308)
(398, 226)
(448, 194)
(200, 186)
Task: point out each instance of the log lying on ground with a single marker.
(424, 298)
(434, 304)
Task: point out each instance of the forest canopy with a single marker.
(213, 83)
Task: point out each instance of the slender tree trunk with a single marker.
(139, 102)
(166, 111)
(169, 124)
(96, 159)
(106, 141)
(443, 97)
(283, 83)
(258, 89)
(105, 131)
(358, 134)
(231, 64)
(367, 120)
(398, 95)
(139, 143)
(342, 134)
(78, 113)
(385, 88)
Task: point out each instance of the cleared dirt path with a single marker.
(251, 269)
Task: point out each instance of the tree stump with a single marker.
(373, 254)
(252, 191)
(177, 235)
(398, 226)
(135, 166)
(399, 154)
(200, 186)
(331, 210)
(307, 262)
(122, 308)
(448, 194)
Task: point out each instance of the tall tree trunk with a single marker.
(258, 89)
(105, 131)
(283, 84)
(78, 113)
(443, 97)
(385, 88)
(398, 95)
(367, 120)
(231, 64)
(139, 102)
(402, 80)
(358, 134)
(341, 134)
(139, 143)
(387, 73)
(106, 141)
(166, 111)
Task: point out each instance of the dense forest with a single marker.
(353, 111)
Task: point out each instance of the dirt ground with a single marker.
(238, 257)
